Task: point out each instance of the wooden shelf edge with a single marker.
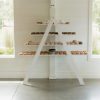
(58, 53)
(57, 43)
(46, 23)
(54, 33)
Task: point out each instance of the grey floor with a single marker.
(50, 90)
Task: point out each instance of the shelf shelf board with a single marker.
(43, 55)
(58, 53)
(52, 55)
(53, 33)
(44, 45)
(53, 45)
(45, 23)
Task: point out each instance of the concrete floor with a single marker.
(50, 90)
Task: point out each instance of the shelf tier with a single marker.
(54, 45)
(46, 23)
(53, 33)
(74, 42)
(43, 53)
(57, 53)
(44, 45)
(43, 24)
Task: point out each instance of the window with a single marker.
(6, 28)
(95, 27)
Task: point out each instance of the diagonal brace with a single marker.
(38, 50)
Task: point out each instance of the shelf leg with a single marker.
(38, 51)
(74, 69)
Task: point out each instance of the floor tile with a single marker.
(7, 89)
(59, 90)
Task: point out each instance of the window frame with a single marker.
(90, 56)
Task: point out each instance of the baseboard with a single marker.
(70, 75)
(59, 75)
(17, 74)
(11, 74)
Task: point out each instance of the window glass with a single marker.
(96, 27)
(6, 27)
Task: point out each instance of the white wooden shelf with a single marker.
(45, 55)
(53, 55)
(53, 33)
(57, 53)
(44, 45)
(41, 23)
(55, 45)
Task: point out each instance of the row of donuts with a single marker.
(56, 53)
(73, 42)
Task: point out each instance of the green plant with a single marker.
(10, 51)
(2, 51)
(96, 52)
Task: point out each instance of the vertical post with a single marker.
(52, 63)
(52, 74)
(52, 9)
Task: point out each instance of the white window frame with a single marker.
(90, 56)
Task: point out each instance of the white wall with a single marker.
(75, 11)
(25, 13)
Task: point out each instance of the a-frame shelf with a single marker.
(53, 22)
